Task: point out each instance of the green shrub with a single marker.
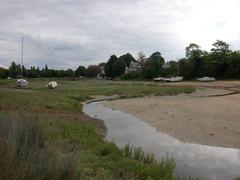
(132, 75)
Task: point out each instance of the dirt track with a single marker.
(197, 118)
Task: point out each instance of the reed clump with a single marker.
(24, 153)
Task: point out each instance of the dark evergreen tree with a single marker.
(109, 67)
(80, 71)
(119, 67)
(127, 59)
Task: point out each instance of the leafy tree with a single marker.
(109, 67)
(14, 70)
(3, 73)
(171, 71)
(24, 71)
(219, 54)
(53, 73)
(193, 50)
(32, 72)
(80, 71)
(185, 68)
(208, 67)
(194, 53)
(220, 49)
(38, 72)
(93, 70)
(116, 66)
(45, 72)
(127, 59)
(158, 57)
(153, 66)
(233, 70)
(61, 73)
(69, 73)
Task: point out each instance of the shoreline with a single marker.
(191, 118)
(84, 118)
(98, 123)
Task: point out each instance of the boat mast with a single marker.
(178, 68)
(22, 58)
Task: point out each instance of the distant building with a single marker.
(102, 69)
(133, 67)
(166, 65)
(102, 73)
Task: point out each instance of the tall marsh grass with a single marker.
(25, 155)
(26, 152)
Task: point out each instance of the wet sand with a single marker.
(199, 117)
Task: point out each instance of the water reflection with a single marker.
(206, 162)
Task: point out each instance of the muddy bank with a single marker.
(228, 85)
(200, 117)
(204, 162)
(83, 118)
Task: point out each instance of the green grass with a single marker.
(72, 149)
(69, 95)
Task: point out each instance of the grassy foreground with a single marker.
(40, 137)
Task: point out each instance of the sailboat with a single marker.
(21, 83)
(176, 78)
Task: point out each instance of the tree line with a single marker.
(220, 62)
(14, 71)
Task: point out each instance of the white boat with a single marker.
(173, 79)
(206, 79)
(52, 85)
(158, 79)
(21, 83)
(176, 78)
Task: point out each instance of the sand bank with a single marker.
(193, 118)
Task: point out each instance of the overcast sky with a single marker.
(69, 33)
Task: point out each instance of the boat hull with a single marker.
(21, 83)
(52, 85)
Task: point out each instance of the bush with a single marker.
(132, 75)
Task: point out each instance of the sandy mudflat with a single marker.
(193, 118)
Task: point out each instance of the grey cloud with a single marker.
(68, 33)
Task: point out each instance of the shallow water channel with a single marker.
(205, 162)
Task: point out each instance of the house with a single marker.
(133, 67)
(166, 65)
(102, 73)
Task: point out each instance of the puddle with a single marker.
(205, 162)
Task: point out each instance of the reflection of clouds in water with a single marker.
(194, 159)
